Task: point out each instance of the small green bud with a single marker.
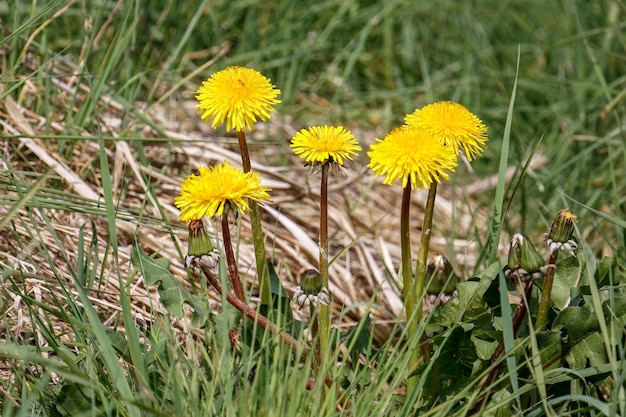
(311, 291)
(562, 227)
(441, 273)
(522, 254)
(311, 282)
(199, 242)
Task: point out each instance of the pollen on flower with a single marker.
(322, 144)
(454, 124)
(413, 155)
(215, 188)
(238, 96)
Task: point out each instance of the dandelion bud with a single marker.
(441, 273)
(311, 290)
(200, 251)
(559, 235)
(523, 255)
(199, 243)
(562, 227)
(311, 282)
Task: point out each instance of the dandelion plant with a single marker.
(239, 96)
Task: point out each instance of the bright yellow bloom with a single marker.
(412, 154)
(453, 124)
(208, 193)
(238, 95)
(321, 144)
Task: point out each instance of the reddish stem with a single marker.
(233, 272)
(252, 314)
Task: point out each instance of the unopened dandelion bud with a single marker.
(199, 242)
(441, 274)
(560, 233)
(311, 282)
(522, 254)
(311, 290)
(200, 252)
(562, 227)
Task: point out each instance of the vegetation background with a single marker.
(99, 128)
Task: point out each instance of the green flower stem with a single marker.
(546, 293)
(324, 311)
(414, 289)
(258, 241)
(422, 257)
(422, 262)
(414, 296)
(257, 232)
(316, 360)
(253, 315)
(233, 271)
(405, 245)
(407, 282)
(243, 148)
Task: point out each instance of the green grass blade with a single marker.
(24, 199)
(496, 226)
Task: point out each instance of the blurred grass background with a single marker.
(363, 64)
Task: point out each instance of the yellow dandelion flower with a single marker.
(208, 193)
(320, 144)
(412, 154)
(452, 123)
(237, 95)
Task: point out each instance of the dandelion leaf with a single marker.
(550, 348)
(76, 399)
(157, 271)
(467, 308)
(499, 404)
(579, 328)
(358, 338)
(566, 277)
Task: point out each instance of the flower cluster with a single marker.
(427, 147)
(421, 153)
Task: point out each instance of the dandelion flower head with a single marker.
(453, 124)
(238, 95)
(320, 144)
(412, 154)
(209, 192)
